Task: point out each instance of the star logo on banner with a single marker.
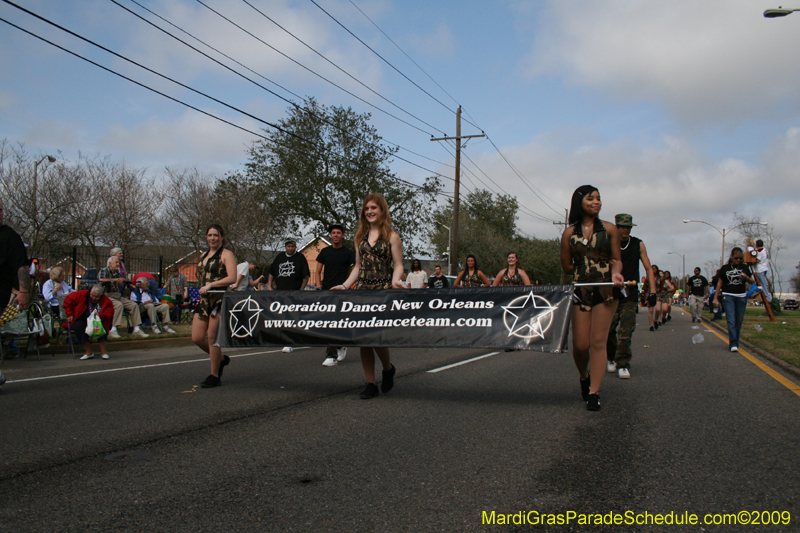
(244, 317)
(286, 269)
(528, 317)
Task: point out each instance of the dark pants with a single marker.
(79, 329)
(619, 341)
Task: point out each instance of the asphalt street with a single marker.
(286, 444)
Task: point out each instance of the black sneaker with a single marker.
(652, 328)
(388, 379)
(225, 362)
(669, 317)
(369, 392)
(593, 403)
(585, 386)
(211, 381)
(656, 325)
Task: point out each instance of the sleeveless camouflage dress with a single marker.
(376, 265)
(471, 280)
(214, 270)
(592, 261)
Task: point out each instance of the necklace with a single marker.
(626, 246)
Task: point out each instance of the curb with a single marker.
(126, 345)
(791, 369)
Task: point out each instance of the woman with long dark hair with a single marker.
(731, 286)
(379, 265)
(215, 270)
(471, 276)
(590, 252)
(512, 275)
(670, 290)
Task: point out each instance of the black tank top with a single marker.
(631, 255)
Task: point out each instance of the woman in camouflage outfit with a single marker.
(590, 252)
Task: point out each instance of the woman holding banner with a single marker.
(590, 251)
(215, 271)
(513, 274)
(379, 265)
(471, 276)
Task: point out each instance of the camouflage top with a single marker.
(471, 280)
(592, 258)
(213, 270)
(376, 265)
(514, 279)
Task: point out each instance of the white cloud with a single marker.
(714, 60)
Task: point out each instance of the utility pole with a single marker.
(456, 189)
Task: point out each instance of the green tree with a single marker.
(324, 161)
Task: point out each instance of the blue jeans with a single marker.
(762, 280)
(734, 313)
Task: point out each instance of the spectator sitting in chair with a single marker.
(177, 287)
(145, 295)
(114, 283)
(78, 305)
(54, 287)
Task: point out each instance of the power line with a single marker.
(290, 102)
(339, 68)
(310, 70)
(176, 99)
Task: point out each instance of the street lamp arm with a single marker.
(780, 12)
(720, 231)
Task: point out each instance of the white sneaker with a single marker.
(114, 335)
(156, 331)
(140, 333)
(624, 373)
(330, 361)
(287, 349)
(168, 329)
(104, 356)
(85, 357)
(612, 367)
(341, 353)
(734, 348)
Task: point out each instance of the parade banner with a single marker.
(525, 318)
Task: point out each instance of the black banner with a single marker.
(527, 318)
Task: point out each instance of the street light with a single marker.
(449, 259)
(683, 275)
(50, 159)
(724, 232)
(780, 12)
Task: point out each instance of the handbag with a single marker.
(10, 312)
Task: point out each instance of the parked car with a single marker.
(790, 304)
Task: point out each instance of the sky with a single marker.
(673, 110)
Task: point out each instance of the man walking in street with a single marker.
(698, 291)
(289, 271)
(335, 262)
(619, 341)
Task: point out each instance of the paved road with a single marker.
(286, 445)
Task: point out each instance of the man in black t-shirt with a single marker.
(335, 262)
(698, 290)
(438, 281)
(632, 250)
(14, 275)
(289, 271)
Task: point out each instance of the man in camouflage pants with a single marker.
(619, 340)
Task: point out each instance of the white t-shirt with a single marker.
(763, 260)
(416, 280)
(243, 269)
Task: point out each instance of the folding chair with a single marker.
(18, 328)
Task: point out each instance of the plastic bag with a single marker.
(697, 339)
(94, 326)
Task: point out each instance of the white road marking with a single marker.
(204, 360)
(462, 362)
